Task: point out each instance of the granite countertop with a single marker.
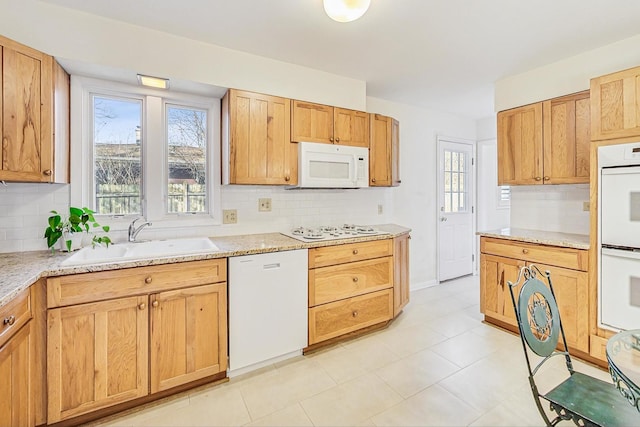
(19, 270)
(552, 238)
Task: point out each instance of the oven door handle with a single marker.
(621, 253)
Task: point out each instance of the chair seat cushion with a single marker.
(594, 400)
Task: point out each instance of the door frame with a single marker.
(439, 184)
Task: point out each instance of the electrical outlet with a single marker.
(380, 209)
(229, 216)
(264, 205)
(586, 206)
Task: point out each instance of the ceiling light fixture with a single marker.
(156, 82)
(346, 10)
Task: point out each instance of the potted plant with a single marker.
(79, 220)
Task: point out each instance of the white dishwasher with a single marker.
(267, 308)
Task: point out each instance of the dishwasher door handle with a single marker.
(271, 266)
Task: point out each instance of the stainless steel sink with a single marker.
(141, 250)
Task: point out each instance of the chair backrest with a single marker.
(538, 316)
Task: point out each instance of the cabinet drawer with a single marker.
(89, 287)
(575, 259)
(328, 284)
(339, 254)
(14, 314)
(341, 317)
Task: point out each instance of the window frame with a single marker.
(154, 152)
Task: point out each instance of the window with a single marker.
(145, 152)
(455, 182)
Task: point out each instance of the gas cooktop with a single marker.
(307, 234)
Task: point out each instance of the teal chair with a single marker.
(581, 398)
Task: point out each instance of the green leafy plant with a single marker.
(79, 220)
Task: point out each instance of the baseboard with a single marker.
(422, 285)
(258, 365)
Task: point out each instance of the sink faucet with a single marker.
(133, 230)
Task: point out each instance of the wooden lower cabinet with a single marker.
(97, 356)
(182, 346)
(570, 285)
(16, 406)
(401, 274)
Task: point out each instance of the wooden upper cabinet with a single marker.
(257, 146)
(615, 105)
(520, 145)
(311, 122)
(329, 125)
(351, 127)
(384, 154)
(567, 139)
(545, 143)
(27, 119)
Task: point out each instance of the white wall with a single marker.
(415, 201)
(567, 76)
(80, 36)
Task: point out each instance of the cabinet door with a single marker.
(26, 114)
(615, 105)
(495, 300)
(351, 127)
(260, 149)
(15, 373)
(380, 151)
(571, 291)
(401, 276)
(520, 145)
(188, 335)
(97, 356)
(567, 139)
(395, 153)
(311, 122)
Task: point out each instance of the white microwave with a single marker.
(332, 166)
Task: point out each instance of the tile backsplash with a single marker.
(550, 208)
(24, 209)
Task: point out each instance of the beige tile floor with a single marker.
(436, 365)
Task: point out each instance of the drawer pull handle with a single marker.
(155, 304)
(148, 280)
(355, 252)
(355, 279)
(142, 306)
(10, 320)
(355, 313)
(525, 251)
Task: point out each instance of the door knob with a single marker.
(443, 218)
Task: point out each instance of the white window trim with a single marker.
(154, 204)
(502, 204)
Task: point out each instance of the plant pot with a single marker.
(76, 241)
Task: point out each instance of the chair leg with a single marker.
(536, 398)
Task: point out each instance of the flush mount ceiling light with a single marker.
(156, 82)
(346, 10)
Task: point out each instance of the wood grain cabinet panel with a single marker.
(401, 273)
(384, 151)
(350, 252)
(184, 345)
(495, 299)
(615, 105)
(351, 127)
(520, 145)
(97, 356)
(16, 405)
(324, 124)
(33, 137)
(575, 259)
(257, 140)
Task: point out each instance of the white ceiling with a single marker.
(440, 54)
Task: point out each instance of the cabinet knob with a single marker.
(47, 172)
(546, 178)
(142, 306)
(373, 180)
(9, 320)
(538, 178)
(337, 139)
(355, 313)
(355, 252)
(155, 304)
(355, 279)
(287, 178)
(525, 251)
(148, 280)
(331, 138)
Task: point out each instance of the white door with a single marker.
(455, 209)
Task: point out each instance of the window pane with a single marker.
(447, 160)
(455, 165)
(187, 148)
(117, 155)
(447, 202)
(454, 182)
(447, 181)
